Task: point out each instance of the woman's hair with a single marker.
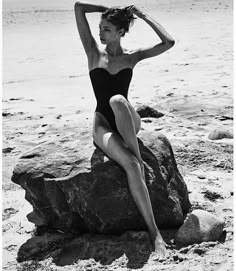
(120, 17)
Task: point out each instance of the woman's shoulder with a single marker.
(132, 55)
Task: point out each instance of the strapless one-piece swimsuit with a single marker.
(106, 85)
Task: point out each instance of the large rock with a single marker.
(73, 187)
(200, 226)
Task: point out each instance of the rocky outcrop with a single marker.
(72, 186)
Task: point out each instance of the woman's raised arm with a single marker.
(88, 41)
(167, 40)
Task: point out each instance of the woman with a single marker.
(116, 123)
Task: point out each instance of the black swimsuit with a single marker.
(106, 85)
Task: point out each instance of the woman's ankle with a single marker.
(155, 234)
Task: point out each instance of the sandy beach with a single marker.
(47, 93)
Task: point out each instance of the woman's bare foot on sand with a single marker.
(159, 245)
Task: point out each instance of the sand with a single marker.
(47, 93)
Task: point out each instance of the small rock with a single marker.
(185, 250)
(178, 257)
(11, 247)
(7, 149)
(209, 244)
(200, 226)
(181, 258)
(145, 111)
(199, 250)
(212, 196)
(223, 118)
(16, 99)
(8, 212)
(201, 177)
(147, 120)
(43, 125)
(175, 257)
(59, 116)
(5, 114)
(220, 134)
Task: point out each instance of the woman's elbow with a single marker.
(170, 43)
(77, 4)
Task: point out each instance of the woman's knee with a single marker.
(131, 163)
(118, 102)
(134, 174)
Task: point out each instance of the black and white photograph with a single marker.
(117, 135)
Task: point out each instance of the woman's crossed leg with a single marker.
(117, 149)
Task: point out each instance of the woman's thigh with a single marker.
(112, 144)
(119, 100)
(136, 118)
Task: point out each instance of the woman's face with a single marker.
(108, 32)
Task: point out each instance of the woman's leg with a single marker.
(125, 123)
(112, 144)
(128, 124)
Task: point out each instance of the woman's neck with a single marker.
(114, 49)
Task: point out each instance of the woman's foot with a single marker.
(159, 246)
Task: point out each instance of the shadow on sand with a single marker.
(106, 249)
(66, 249)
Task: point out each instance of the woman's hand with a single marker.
(136, 11)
